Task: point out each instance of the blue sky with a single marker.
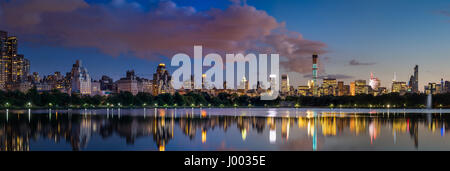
(393, 34)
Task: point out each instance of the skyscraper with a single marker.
(414, 80)
(374, 82)
(341, 90)
(81, 81)
(314, 73)
(3, 58)
(14, 68)
(352, 88)
(162, 80)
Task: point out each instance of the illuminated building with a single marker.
(360, 87)
(14, 68)
(285, 84)
(438, 88)
(399, 87)
(380, 91)
(162, 80)
(19, 69)
(146, 86)
(128, 84)
(374, 82)
(50, 82)
(352, 88)
(81, 81)
(346, 90)
(314, 74)
(431, 88)
(340, 87)
(95, 88)
(303, 90)
(329, 86)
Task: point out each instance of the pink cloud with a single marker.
(121, 28)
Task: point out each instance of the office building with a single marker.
(162, 81)
(14, 67)
(81, 81)
(285, 86)
(329, 86)
(399, 87)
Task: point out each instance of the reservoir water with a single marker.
(254, 129)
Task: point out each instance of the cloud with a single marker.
(121, 27)
(336, 76)
(356, 63)
(444, 12)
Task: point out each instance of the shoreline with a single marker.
(264, 112)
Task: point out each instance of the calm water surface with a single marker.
(224, 129)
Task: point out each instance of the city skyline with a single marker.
(349, 58)
(15, 75)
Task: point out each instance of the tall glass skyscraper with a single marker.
(314, 73)
(414, 80)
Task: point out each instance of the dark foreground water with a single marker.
(224, 129)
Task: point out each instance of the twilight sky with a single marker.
(353, 37)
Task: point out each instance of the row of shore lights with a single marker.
(201, 105)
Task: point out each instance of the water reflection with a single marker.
(197, 129)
